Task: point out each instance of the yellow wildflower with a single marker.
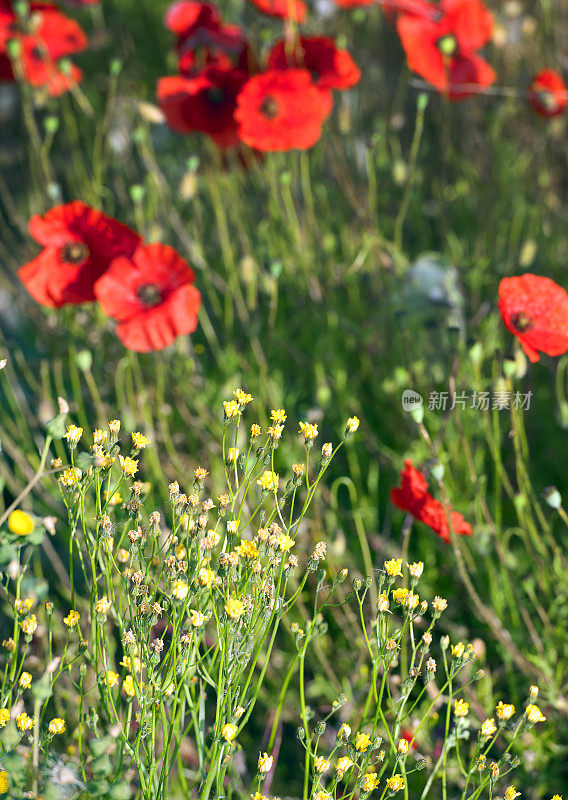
(396, 783)
(23, 606)
(488, 728)
(25, 680)
(72, 619)
(73, 435)
(399, 595)
(24, 722)
(458, 649)
(343, 764)
(29, 625)
(231, 408)
(197, 618)
(140, 441)
(70, 476)
(278, 415)
(4, 786)
(229, 731)
(534, 714)
(461, 708)
(103, 605)
(128, 465)
(321, 764)
(344, 731)
(439, 604)
(416, 569)
(247, 549)
(352, 425)
(511, 793)
(242, 397)
(264, 762)
(383, 603)
(111, 678)
(285, 543)
(370, 781)
(57, 725)
(268, 481)
(235, 608)
(128, 686)
(504, 710)
(308, 431)
(393, 567)
(362, 741)
(232, 455)
(4, 717)
(180, 589)
(20, 523)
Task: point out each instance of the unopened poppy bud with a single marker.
(357, 584)
(342, 575)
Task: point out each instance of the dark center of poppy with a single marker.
(216, 95)
(447, 45)
(74, 253)
(149, 295)
(521, 322)
(269, 107)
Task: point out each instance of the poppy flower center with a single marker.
(269, 107)
(521, 322)
(447, 45)
(546, 99)
(74, 253)
(149, 295)
(216, 96)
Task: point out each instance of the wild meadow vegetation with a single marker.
(283, 399)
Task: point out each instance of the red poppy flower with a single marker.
(204, 103)
(284, 9)
(330, 67)
(187, 16)
(548, 94)
(535, 310)
(45, 37)
(79, 244)
(282, 110)
(413, 496)
(443, 50)
(392, 9)
(355, 3)
(151, 295)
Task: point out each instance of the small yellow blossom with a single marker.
(264, 762)
(396, 783)
(268, 481)
(258, 796)
(254, 430)
(461, 708)
(352, 425)
(113, 498)
(504, 710)
(25, 680)
(4, 717)
(114, 427)
(399, 595)
(23, 606)
(411, 600)
(321, 764)
(103, 605)
(362, 741)
(370, 781)
(99, 437)
(235, 608)
(458, 649)
(308, 431)
(343, 764)
(383, 603)
(278, 415)
(57, 725)
(206, 576)
(393, 567)
(70, 476)
(128, 465)
(231, 408)
(534, 714)
(232, 455)
(197, 618)
(24, 722)
(327, 450)
(73, 435)
(322, 796)
(29, 625)
(403, 746)
(439, 604)
(488, 728)
(111, 678)
(229, 731)
(20, 523)
(344, 731)
(140, 441)
(72, 619)
(511, 793)
(556, 797)
(180, 589)
(128, 686)
(239, 711)
(4, 785)
(242, 397)
(533, 693)
(416, 569)
(285, 543)
(247, 549)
